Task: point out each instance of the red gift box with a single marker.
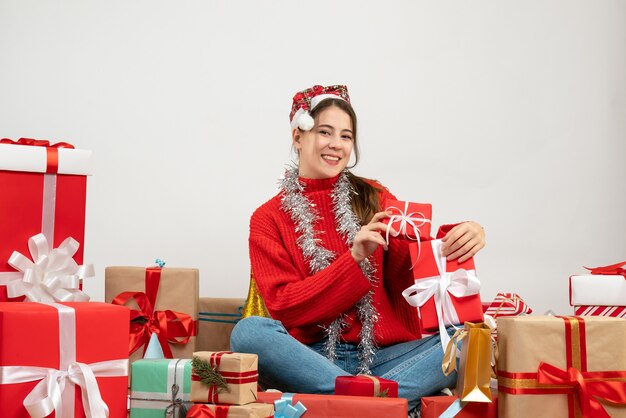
(434, 406)
(454, 303)
(66, 341)
(338, 406)
(365, 385)
(613, 311)
(43, 191)
(410, 220)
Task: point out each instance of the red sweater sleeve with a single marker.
(292, 296)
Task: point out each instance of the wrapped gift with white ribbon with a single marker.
(43, 188)
(62, 346)
(445, 292)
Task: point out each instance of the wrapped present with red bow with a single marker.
(163, 301)
(251, 410)
(63, 360)
(558, 366)
(409, 220)
(44, 188)
(224, 377)
(445, 292)
(366, 385)
(604, 286)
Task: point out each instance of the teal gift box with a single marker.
(159, 387)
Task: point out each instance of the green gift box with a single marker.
(159, 387)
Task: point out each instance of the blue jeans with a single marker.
(290, 366)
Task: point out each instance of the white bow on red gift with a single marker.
(458, 283)
(51, 275)
(55, 390)
(413, 219)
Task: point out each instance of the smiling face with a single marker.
(325, 150)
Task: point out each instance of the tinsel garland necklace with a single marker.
(301, 210)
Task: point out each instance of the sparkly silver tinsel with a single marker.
(303, 213)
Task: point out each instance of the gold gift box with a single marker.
(589, 345)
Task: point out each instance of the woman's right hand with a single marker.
(369, 238)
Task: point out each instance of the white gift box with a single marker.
(15, 157)
(597, 289)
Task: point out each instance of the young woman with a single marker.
(329, 280)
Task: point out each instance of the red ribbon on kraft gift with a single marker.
(231, 378)
(52, 161)
(171, 327)
(609, 270)
(582, 387)
(203, 411)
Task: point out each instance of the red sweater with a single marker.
(303, 302)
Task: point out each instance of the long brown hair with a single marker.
(365, 201)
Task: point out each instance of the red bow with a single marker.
(203, 411)
(36, 143)
(171, 327)
(588, 391)
(612, 269)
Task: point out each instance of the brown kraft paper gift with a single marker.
(543, 359)
(238, 377)
(177, 291)
(216, 320)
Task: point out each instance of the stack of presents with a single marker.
(155, 349)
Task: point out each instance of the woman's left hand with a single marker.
(463, 241)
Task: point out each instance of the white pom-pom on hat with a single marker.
(305, 122)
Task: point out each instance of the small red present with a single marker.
(435, 406)
(410, 220)
(446, 292)
(43, 191)
(366, 385)
(53, 349)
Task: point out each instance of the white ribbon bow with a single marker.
(458, 283)
(52, 275)
(406, 219)
(46, 396)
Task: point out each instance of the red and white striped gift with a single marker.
(506, 304)
(614, 311)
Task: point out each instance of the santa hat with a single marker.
(306, 100)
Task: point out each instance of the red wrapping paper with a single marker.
(468, 308)
(29, 336)
(434, 406)
(365, 386)
(21, 208)
(338, 406)
(406, 215)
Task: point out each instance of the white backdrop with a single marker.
(510, 113)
